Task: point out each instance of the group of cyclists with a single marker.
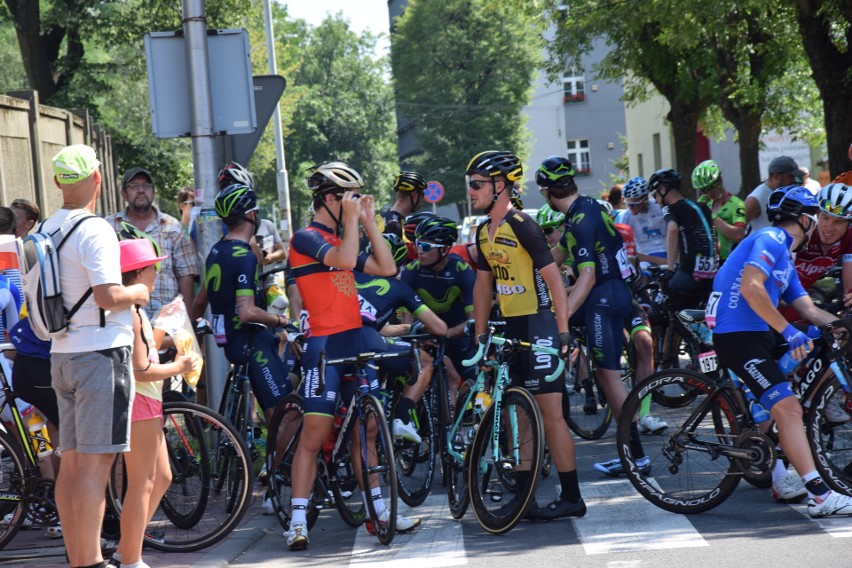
(362, 279)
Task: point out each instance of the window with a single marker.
(578, 153)
(658, 152)
(573, 86)
(641, 165)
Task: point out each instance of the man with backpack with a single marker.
(90, 360)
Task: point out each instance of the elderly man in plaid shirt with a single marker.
(180, 268)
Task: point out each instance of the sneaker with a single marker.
(791, 489)
(262, 475)
(403, 524)
(832, 503)
(55, 531)
(267, 507)
(613, 468)
(556, 510)
(651, 425)
(405, 431)
(7, 520)
(297, 536)
(835, 410)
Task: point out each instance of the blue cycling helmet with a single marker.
(790, 202)
(635, 188)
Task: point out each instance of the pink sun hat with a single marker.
(138, 253)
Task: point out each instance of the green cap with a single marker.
(74, 163)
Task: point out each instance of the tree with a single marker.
(826, 30)
(463, 71)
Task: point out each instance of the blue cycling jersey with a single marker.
(380, 297)
(769, 251)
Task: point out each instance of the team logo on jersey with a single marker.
(777, 236)
(498, 256)
(213, 279)
(505, 241)
(345, 283)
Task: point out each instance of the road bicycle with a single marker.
(718, 437)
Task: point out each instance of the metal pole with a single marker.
(286, 226)
(207, 155)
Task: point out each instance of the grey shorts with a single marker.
(94, 392)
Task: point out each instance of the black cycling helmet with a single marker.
(234, 173)
(555, 171)
(399, 251)
(234, 201)
(409, 181)
(665, 177)
(409, 229)
(438, 230)
(495, 163)
(790, 202)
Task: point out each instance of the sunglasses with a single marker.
(548, 231)
(635, 204)
(426, 247)
(476, 184)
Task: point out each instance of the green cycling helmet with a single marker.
(548, 218)
(705, 175)
(399, 251)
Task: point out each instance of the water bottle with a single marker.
(37, 424)
(482, 402)
(758, 412)
(787, 364)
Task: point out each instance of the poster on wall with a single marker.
(782, 144)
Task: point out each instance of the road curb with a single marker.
(238, 542)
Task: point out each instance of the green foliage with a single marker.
(462, 72)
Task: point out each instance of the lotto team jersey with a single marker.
(768, 250)
(591, 239)
(649, 228)
(515, 256)
(447, 292)
(231, 272)
(732, 211)
(328, 294)
(812, 263)
(380, 297)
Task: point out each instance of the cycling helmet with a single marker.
(234, 201)
(835, 199)
(555, 171)
(334, 176)
(790, 202)
(409, 229)
(438, 230)
(547, 217)
(515, 199)
(636, 188)
(398, 249)
(667, 177)
(705, 175)
(494, 163)
(234, 173)
(409, 181)
(607, 206)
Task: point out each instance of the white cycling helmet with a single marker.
(835, 199)
(607, 206)
(635, 188)
(334, 175)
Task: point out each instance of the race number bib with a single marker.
(705, 267)
(218, 326)
(710, 311)
(624, 265)
(707, 362)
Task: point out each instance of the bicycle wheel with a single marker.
(584, 404)
(12, 476)
(685, 473)
(685, 357)
(200, 438)
(829, 431)
(347, 496)
(458, 496)
(499, 498)
(377, 466)
(415, 463)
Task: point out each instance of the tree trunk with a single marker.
(748, 125)
(39, 51)
(838, 127)
(683, 118)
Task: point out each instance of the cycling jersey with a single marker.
(649, 228)
(594, 243)
(380, 297)
(731, 211)
(812, 263)
(328, 294)
(515, 255)
(231, 272)
(697, 238)
(393, 222)
(768, 250)
(448, 292)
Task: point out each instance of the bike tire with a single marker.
(682, 479)
(415, 463)
(488, 481)
(584, 404)
(458, 496)
(377, 465)
(680, 395)
(12, 478)
(347, 495)
(830, 441)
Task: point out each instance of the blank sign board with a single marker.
(230, 83)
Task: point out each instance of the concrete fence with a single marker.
(31, 134)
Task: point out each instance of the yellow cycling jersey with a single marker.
(515, 256)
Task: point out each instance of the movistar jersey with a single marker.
(768, 250)
(515, 256)
(380, 297)
(447, 292)
(591, 239)
(231, 272)
(731, 211)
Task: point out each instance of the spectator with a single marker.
(27, 214)
(186, 201)
(11, 297)
(90, 363)
(616, 199)
(783, 171)
(8, 221)
(808, 182)
(180, 269)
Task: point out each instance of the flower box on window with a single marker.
(583, 172)
(578, 98)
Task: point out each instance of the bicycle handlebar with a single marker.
(522, 344)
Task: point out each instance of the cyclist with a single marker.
(322, 264)
(600, 300)
(742, 307)
(729, 214)
(409, 231)
(236, 298)
(645, 217)
(409, 188)
(513, 253)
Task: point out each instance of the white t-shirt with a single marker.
(649, 228)
(761, 193)
(89, 257)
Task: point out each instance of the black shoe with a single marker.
(556, 510)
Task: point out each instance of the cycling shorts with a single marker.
(685, 292)
(752, 356)
(267, 373)
(458, 349)
(396, 367)
(529, 368)
(603, 314)
(637, 319)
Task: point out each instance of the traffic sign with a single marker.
(434, 192)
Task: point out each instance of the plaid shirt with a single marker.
(182, 258)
